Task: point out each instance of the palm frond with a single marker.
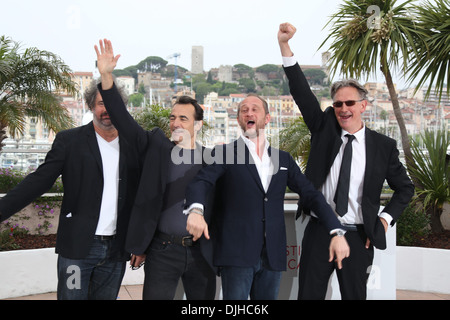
(432, 167)
(154, 116)
(432, 63)
(357, 50)
(30, 81)
(295, 139)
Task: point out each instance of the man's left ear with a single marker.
(198, 125)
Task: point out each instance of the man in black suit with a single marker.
(374, 159)
(100, 172)
(157, 232)
(249, 232)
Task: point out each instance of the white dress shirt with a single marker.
(264, 166)
(358, 167)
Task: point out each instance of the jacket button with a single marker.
(265, 199)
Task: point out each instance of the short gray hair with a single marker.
(91, 93)
(348, 83)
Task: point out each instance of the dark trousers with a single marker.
(167, 263)
(315, 270)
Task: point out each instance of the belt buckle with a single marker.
(187, 241)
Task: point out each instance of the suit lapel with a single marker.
(336, 146)
(333, 135)
(249, 162)
(93, 145)
(165, 160)
(275, 158)
(370, 157)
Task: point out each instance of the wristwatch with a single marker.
(196, 210)
(339, 233)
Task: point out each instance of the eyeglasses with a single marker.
(348, 103)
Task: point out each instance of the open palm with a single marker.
(106, 61)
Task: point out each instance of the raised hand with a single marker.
(285, 33)
(106, 62)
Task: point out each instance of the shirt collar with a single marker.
(251, 145)
(359, 135)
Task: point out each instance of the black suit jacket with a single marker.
(247, 217)
(382, 162)
(76, 156)
(154, 149)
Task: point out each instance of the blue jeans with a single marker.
(96, 277)
(259, 282)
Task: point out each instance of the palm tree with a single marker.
(433, 171)
(29, 85)
(295, 139)
(358, 48)
(154, 116)
(433, 59)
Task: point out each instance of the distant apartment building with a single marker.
(378, 90)
(433, 97)
(127, 83)
(77, 110)
(82, 80)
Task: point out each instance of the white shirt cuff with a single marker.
(289, 61)
(386, 216)
(192, 206)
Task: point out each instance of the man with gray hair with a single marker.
(348, 163)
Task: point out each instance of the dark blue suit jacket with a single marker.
(245, 216)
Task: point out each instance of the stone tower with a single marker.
(197, 59)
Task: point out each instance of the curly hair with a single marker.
(91, 93)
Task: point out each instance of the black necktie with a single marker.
(341, 195)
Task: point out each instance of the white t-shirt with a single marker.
(110, 152)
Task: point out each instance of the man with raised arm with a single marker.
(348, 163)
(157, 231)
